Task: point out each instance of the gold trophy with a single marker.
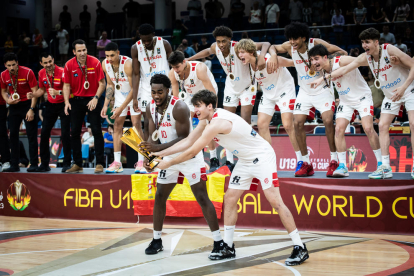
(132, 138)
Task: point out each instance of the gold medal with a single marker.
(311, 73)
(86, 85)
(377, 84)
(182, 95)
(155, 136)
(231, 76)
(252, 88)
(118, 86)
(15, 96)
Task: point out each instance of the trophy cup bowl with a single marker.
(132, 138)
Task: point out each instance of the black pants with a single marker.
(50, 115)
(77, 116)
(16, 116)
(4, 138)
(110, 153)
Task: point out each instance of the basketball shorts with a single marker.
(194, 170)
(322, 102)
(364, 108)
(144, 98)
(131, 111)
(285, 102)
(247, 175)
(396, 108)
(233, 98)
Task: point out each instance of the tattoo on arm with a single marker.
(109, 93)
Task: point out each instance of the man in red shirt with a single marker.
(51, 82)
(17, 81)
(83, 76)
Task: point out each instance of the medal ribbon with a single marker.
(53, 78)
(183, 80)
(117, 73)
(158, 124)
(17, 80)
(153, 51)
(86, 68)
(324, 77)
(253, 77)
(307, 64)
(379, 61)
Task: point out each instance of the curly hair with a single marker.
(161, 79)
(146, 29)
(318, 50)
(370, 34)
(247, 45)
(296, 30)
(176, 57)
(222, 31)
(204, 96)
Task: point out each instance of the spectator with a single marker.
(402, 12)
(195, 9)
(360, 13)
(262, 4)
(210, 8)
(245, 35)
(307, 13)
(109, 143)
(89, 139)
(315, 32)
(378, 14)
(179, 32)
(387, 36)
(236, 15)
(195, 45)
(354, 52)
(101, 15)
(204, 43)
(85, 20)
(8, 44)
(338, 22)
(23, 52)
(381, 41)
(408, 39)
(400, 45)
(295, 8)
(190, 51)
(326, 16)
(131, 9)
(135, 35)
(109, 113)
(65, 18)
(181, 49)
(349, 16)
(101, 45)
(317, 8)
(219, 9)
(335, 6)
(63, 37)
(272, 15)
(207, 62)
(255, 18)
(38, 41)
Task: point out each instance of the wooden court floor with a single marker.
(31, 246)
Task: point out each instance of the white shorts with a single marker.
(193, 169)
(248, 175)
(322, 102)
(233, 98)
(63, 49)
(144, 98)
(285, 102)
(396, 108)
(364, 108)
(131, 111)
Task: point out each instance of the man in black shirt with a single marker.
(101, 15)
(65, 18)
(132, 15)
(236, 14)
(85, 19)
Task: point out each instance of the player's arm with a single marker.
(261, 62)
(38, 93)
(203, 76)
(167, 47)
(205, 53)
(128, 72)
(135, 76)
(285, 62)
(110, 90)
(282, 48)
(406, 61)
(332, 49)
(174, 83)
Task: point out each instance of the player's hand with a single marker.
(399, 93)
(30, 115)
(11, 101)
(261, 63)
(162, 164)
(135, 105)
(53, 92)
(148, 146)
(92, 104)
(272, 64)
(147, 166)
(395, 60)
(159, 154)
(103, 111)
(29, 95)
(67, 108)
(315, 83)
(116, 112)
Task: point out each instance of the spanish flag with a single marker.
(181, 202)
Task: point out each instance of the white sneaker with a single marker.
(412, 173)
(6, 166)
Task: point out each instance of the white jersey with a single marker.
(159, 63)
(274, 84)
(391, 77)
(351, 87)
(243, 141)
(192, 83)
(122, 93)
(303, 70)
(240, 71)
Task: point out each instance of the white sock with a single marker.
(294, 235)
(334, 156)
(157, 235)
(217, 235)
(140, 157)
(298, 156)
(386, 160)
(305, 158)
(378, 155)
(342, 157)
(213, 153)
(229, 234)
(229, 156)
(117, 156)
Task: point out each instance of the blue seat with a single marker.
(85, 151)
(319, 130)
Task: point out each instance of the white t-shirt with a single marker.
(402, 47)
(255, 16)
(208, 64)
(88, 139)
(271, 12)
(62, 37)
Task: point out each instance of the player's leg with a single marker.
(411, 120)
(116, 166)
(263, 122)
(144, 99)
(288, 125)
(366, 112)
(340, 127)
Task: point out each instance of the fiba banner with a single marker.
(181, 202)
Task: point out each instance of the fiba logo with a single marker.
(18, 196)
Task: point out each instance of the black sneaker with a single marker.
(230, 165)
(217, 250)
(214, 164)
(224, 252)
(12, 169)
(298, 256)
(43, 168)
(32, 168)
(154, 247)
(65, 168)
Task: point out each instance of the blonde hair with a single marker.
(247, 45)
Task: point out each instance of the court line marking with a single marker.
(295, 272)
(28, 252)
(63, 229)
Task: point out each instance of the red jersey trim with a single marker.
(385, 46)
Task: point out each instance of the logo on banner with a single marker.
(1, 199)
(357, 161)
(18, 196)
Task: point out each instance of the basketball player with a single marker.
(257, 162)
(188, 77)
(170, 122)
(322, 98)
(354, 94)
(51, 82)
(118, 71)
(239, 81)
(278, 90)
(396, 81)
(149, 57)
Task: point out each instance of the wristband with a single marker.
(96, 97)
(32, 108)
